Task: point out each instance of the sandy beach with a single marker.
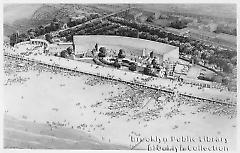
(109, 111)
(32, 135)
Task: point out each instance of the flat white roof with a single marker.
(157, 47)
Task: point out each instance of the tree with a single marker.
(196, 53)
(116, 64)
(155, 63)
(178, 24)
(30, 31)
(234, 60)
(32, 35)
(24, 37)
(41, 30)
(81, 32)
(162, 34)
(217, 78)
(227, 68)
(220, 62)
(195, 59)
(64, 54)
(225, 80)
(150, 18)
(211, 52)
(48, 28)
(147, 70)
(70, 50)
(14, 39)
(187, 50)
(71, 23)
(151, 54)
(121, 53)
(143, 35)
(55, 20)
(204, 55)
(54, 26)
(132, 67)
(148, 36)
(96, 47)
(154, 37)
(102, 52)
(69, 38)
(48, 37)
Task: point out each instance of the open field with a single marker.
(214, 10)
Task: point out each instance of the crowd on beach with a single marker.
(132, 98)
(132, 102)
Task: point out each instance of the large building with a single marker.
(137, 46)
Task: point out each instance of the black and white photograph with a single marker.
(119, 76)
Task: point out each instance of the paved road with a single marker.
(100, 18)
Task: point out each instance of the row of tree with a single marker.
(223, 58)
(54, 25)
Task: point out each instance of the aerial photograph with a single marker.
(120, 76)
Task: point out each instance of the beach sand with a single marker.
(83, 104)
(32, 135)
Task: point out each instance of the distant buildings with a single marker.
(219, 38)
(209, 27)
(178, 31)
(157, 15)
(137, 15)
(142, 19)
(134, 15)
(79, 17)
(64, 26)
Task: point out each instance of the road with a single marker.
(100, 18)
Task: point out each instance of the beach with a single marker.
(110, 111)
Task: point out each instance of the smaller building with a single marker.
(178, 31)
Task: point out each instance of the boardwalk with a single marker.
(209, 94)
